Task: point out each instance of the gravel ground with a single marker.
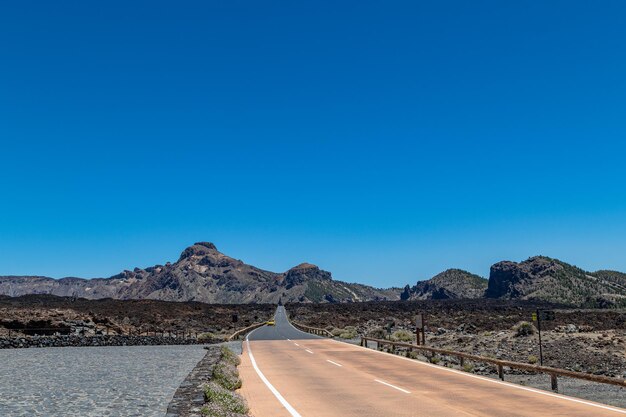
(93, 381)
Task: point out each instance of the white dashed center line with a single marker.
(392, 386)
(334, 363)
(310, 351)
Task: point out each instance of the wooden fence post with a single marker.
(554, 382)
(501, 372)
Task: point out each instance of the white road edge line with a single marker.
(392, 386)
(334, 363)
(494, 381)
(279, 397)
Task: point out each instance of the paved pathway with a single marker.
(93, 381)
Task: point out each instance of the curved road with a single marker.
(289, 373)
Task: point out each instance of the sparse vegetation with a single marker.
(524, 328)
(230, 357)
(348, 332)
(219, 393)
(227, 376)
(208, 336)
(222, 402)
(467, 367)
(377, 333)
(532, 359)
(413, 354)
(402, 336)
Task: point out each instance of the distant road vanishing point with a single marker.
(289, 373)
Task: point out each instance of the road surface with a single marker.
(289, 373)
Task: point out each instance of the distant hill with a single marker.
(547, 279)
(450, 284)
(204, 274)
(538, 278)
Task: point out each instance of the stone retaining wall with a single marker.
(111, 340)
(189, 397)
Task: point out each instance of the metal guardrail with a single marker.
(500, 364)
(244, 331)
(313, 330)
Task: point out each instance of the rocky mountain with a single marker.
(450, 284)
(547, 279)
(204, 274)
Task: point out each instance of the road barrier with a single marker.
(244, 331)
(312, 330)
(500, 364)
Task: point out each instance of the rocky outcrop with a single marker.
(450, 284)
(202, 273)
(406, 293)
(547, 279)
(303, 273)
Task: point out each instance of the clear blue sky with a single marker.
(384, 142)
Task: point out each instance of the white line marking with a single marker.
(296, 344)
(310, 351)
(334, 363)
(494, 381)
(280, 398)
(392, 386)
(289, 339)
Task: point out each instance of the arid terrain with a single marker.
(591, 341)
(582, 340)
(31, 313)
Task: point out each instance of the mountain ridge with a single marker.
(202, 273)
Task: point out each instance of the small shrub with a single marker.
(413, 354)
(222, 401)
(336, 332)
(524, 328)
(229, 356)
(227, 376)
(349, 332)
(402, 336)
(434, 359)
(377, 333)
(532, 359)
(208, 336)
(468, 367)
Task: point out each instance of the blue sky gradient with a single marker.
(383, 143)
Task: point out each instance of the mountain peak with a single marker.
(451, 283)
(199, 249)
(304, 265)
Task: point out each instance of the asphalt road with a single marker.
(283, 330)
(288, 373)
